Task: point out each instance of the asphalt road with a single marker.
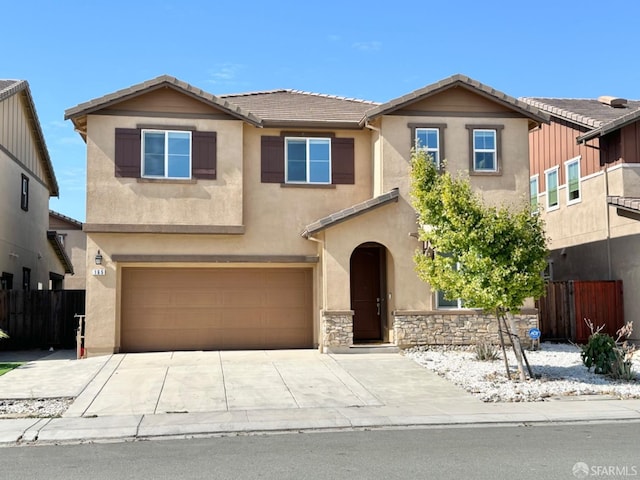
(519, 452)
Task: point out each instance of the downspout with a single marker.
(323, 300)
(608, 217)
(379, 131)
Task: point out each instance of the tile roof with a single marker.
(155, 83)
(350, 212)
(9, 88)
(587, 112)
(64, 218)
(459, 80)
(289, 107)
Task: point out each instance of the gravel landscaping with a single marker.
(34, 407)
(558, 370)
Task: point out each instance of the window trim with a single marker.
(498, 150)
(555, 169)
(26, 278)
(535, 178)
(414, 127)
(567, 164)
(24, 193)
(307, 160)
(459, 302)
(166, 133)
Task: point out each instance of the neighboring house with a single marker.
(279, 219)
(585, 168)
(74, 240)
(30, 258)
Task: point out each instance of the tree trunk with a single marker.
(500, 318)
(517, 349)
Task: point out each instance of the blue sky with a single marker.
(73, 51)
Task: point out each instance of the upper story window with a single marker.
(485, 152)
(172, 154)
(166, 154)
(551, 182)
(428, 139)
(573, 180)
(533, 192)
(24, 193)
(308, 160)
(304, 160)
(484, 147)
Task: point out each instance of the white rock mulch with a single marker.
(34, 407)
(558, 370)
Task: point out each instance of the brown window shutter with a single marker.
(127, 159)
(272, 160)
(342, 161)
(204, 154)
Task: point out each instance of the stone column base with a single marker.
(337, 330)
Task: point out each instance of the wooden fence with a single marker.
(566, 304)
(40, 318)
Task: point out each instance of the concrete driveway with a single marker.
(227, 381)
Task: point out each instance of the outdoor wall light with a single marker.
(98, 258)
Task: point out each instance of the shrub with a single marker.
(607, 355)
(486, 351)
(599, 353)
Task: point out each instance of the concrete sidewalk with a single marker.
(169, 394)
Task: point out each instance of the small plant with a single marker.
(607, 355)
(3, 334)
(486, 352)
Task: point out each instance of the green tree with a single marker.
(490, 257)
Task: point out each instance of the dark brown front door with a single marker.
(366, 293)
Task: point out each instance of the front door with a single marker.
(366, 292)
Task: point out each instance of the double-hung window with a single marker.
(428, 139)
(551, 182)
(485, 150)
(308, 160)
(166, 154)
(573, 180)
(533, 192)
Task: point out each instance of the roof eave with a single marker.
(314, 124)
(52, 236)
(92, 106)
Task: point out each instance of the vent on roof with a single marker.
(614, 102)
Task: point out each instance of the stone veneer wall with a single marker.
(455, 328)
(337, 329)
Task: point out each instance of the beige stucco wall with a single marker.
(507, 188)
(75, 245)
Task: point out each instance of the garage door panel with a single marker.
(210, 309)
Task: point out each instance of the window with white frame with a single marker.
(573, 180)
(551, 182)
(308, 160)
(533, 192)
(166, 154)
(485, 151)
(428, 139)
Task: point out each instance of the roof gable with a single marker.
(9, 88)
(506, 102)
(78, 113)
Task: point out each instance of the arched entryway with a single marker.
(368, 292)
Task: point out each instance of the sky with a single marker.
(73, 51)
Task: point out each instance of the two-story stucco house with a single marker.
(279, 219)
(585, 178)
(30, 257)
